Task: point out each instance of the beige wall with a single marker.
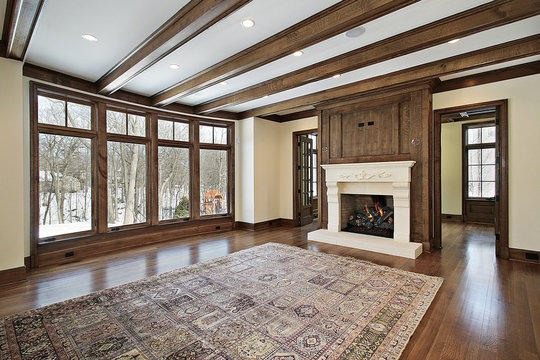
(523, 134)
(451, 167)
(12, 142)
(264, 178)
(244, 171)
(267, 170)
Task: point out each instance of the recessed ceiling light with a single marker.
(224, 83)
(298, 53)
(89, 37)
(336, 76)
(453, 41)
(174, 66)
(356, 32)
(248, 23)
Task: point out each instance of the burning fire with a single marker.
(377, 207)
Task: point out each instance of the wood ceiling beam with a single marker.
(72, 82)
(341, 17)
(19, 23)
(466, 23)
(517, 49)
(190, 21)
(487, 77)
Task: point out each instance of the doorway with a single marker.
(483, 175)
(305, 182)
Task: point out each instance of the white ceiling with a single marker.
(483, 39)
(121, 25)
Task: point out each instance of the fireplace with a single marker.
(350, 187)
(368, 214)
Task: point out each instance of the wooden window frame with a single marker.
(230, 161)
(155, 165)
(101, 232)
(36, 129)
(465, 159)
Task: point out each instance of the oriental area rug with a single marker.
(269, 302)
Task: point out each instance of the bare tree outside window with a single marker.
(214, 181)
(173, 182)
(126, 164)
(65, 184)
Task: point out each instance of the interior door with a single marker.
(305, 182)
(480, 173)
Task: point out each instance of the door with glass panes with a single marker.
(479, 175)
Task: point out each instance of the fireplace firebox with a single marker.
(368, 214)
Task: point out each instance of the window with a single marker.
(213, 134)
(173, 170)
(214, 181)
(65, 186)
(480, 160)
(126, 183)
(126, 169)
(99, 167)
(314, 137)
(214, 165)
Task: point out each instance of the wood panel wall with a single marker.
(389, 126)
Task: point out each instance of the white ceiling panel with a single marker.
(120, 25)
(483, 39)
(392, 24)
(225, 39)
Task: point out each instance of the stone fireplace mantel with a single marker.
(379, 178)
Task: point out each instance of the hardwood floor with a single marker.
(485, 309)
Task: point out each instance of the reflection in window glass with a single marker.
(116, 122)
(126, 180)
(79, 116)
(220, 135)
(206, 134)
(136, 125)
(488, 134)
(165, 130)
(474, 136)
(51, 111)
(173, 180)
(181, 131)
(65, 185)
(214, 180)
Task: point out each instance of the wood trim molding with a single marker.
(332, 21)
(487, 77)
(12, 275)
(190, 21)
(263, 225)
(55, 253)
(71, 82)
(452, 218)
(466, 23)
(525, 255)
(21, 21)
(512, 50)
(501, 206)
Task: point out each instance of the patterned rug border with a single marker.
(398, 348)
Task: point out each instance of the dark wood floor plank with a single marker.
(486, 308)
